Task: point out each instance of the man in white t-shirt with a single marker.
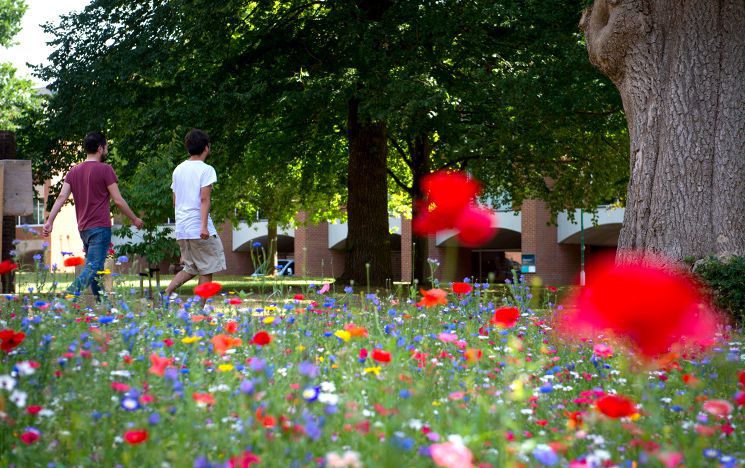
(201, 250)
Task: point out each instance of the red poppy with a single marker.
(231, 327)
(741, 377)
(235, 301)
(203, 399)
(9, 339)
(298, 297)
(261, 338)
(473, 354)
(432, 298)
(34, 409)
(381, 356)
(223, 343)
(73, 261)
(29, 437)
(136, 436)
(462, 288)
(740, 398)
(505, 317)
(244, 460)
(446, 195)
(159, 364)
(650, 305)
(552, 289)
(476, 226)
(615, 406)
(207, 290)
(6, 266)
(354, 330)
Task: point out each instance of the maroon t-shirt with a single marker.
(89, 181)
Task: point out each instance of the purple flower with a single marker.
(308, 369)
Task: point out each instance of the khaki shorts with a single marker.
(202, 256)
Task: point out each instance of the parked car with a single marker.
(284, 267)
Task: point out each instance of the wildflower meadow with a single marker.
(459, 375)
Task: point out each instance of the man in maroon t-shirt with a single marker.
(92, 183)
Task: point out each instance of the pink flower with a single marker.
(721, 408)
(451, 455)
(602, 350)
(324, 288)
(447, 337)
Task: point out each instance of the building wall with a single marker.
(312, 254)
(555, 263)
(238, 263)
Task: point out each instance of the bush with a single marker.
(726, 282)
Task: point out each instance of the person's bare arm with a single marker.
(205, 195)
(119, 201)
(64, 194)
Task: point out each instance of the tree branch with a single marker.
(398, 182)
(403, 153)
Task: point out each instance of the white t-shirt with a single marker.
(188, 178)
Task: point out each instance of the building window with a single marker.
(36, 218)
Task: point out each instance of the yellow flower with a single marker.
(343, 335)
(191, 339)
(104, 272)
(225, 367)
(271, 308)
(518, 390)
(436, 403)
(300, 348)
(268, 320)
(69, 296)
(372, 370)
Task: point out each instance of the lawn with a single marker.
(348, 380)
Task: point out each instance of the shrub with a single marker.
(725, 280)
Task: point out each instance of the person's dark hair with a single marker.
(196, 141)
(92, 141)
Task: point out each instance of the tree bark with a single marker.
(420, 167)
(680, 69)
(368, 237)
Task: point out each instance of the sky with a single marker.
(31, 41)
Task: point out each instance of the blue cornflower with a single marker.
(545, 455)
(311, 393)
(122, 259)
(129, 403)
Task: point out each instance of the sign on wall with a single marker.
(528, 263)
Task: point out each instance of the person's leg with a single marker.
(181, 277)
(98, 247)
(95, 243)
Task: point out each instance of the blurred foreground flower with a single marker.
(207, 290)
(432, 298)
(73, 261)
(6, 266)
(450, 203)
(650, 307)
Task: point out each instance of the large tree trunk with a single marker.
(680, 69)
(368, 237)
(420, 167)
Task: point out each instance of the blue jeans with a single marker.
(96, 243)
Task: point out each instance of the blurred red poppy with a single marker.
(432, 298)
(222, 343)
(505, 317)
(73, 261)
(381, 356)
(462, 288)
(9, 339)
(6, 266)
(136, 436)
(476, 226)
(231, 327)
(235, 301)
(159, 364)
(651, 306)
(261, 338)
(615, 406)
(244, 460)
(207, 290)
